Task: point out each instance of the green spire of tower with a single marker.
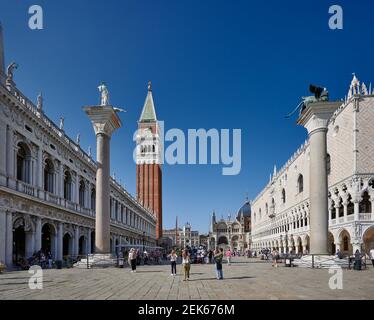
(148, 113)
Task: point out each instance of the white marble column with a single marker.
(10, 158)
(88, 249)
(356, 208)
(9, 239)
(337, 246)
(3, 154)
(60, 232)
(30, 243)
(76, 188)
(38, 233)
(3, 233)
(315, 119)
(39, 172)
(60, 180)
(304, 249)
(76, 241)
(105, 121)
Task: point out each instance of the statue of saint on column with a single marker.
(104, 94)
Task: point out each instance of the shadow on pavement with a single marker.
(225, 278)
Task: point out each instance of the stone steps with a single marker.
(96, 261)
(321, 261)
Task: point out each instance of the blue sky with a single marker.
(213, 64)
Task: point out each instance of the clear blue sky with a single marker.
(213, 64)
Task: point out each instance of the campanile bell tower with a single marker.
(149, 160)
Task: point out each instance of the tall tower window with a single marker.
(24, 163)
(300, 183)
(48, 176)
(82, 193)
(67, 185)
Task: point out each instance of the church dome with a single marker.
(245, 210)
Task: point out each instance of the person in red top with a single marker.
(228, 256)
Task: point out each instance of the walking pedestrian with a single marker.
(275, 258)
(372, 255)
(132, 259)
(218, 257)
(50, 261)
(228, 256)
(210, 255)
(173, 261)
(357, 265)
(186, 261)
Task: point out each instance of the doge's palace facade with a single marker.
(280, 213)
(47, 186)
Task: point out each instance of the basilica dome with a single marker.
(245, 210)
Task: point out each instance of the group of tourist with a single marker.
(141, 257)
(217, 255)
(40, 258)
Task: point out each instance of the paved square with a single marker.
(244, 279)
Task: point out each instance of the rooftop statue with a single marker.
(319, 94)
(40, 102)
(10, 70)
(104, 94)
(62, 121)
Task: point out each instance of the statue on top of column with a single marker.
(104, 94)
(319, 94)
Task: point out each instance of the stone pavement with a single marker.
(244, 279)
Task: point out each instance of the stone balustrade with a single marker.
(25, 188)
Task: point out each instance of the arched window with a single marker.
(23, 163)
(345, 243)
(49, 174)
(266, 208)
(365, 203)
(283, 196)
(259, 214)
(93, 199)
(333, 211)
(82, 193)
(300, 183)
(153, 148)
(67, 185)
(341, 208)
(350, 206)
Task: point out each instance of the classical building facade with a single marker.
(149, 160)
(280, 213)
(47, 186)
(232, 233)
(182, 237)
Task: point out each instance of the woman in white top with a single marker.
(132, 259)
(372, 256)
(186, 261)
(173, 260)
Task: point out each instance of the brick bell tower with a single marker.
(149, 160)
